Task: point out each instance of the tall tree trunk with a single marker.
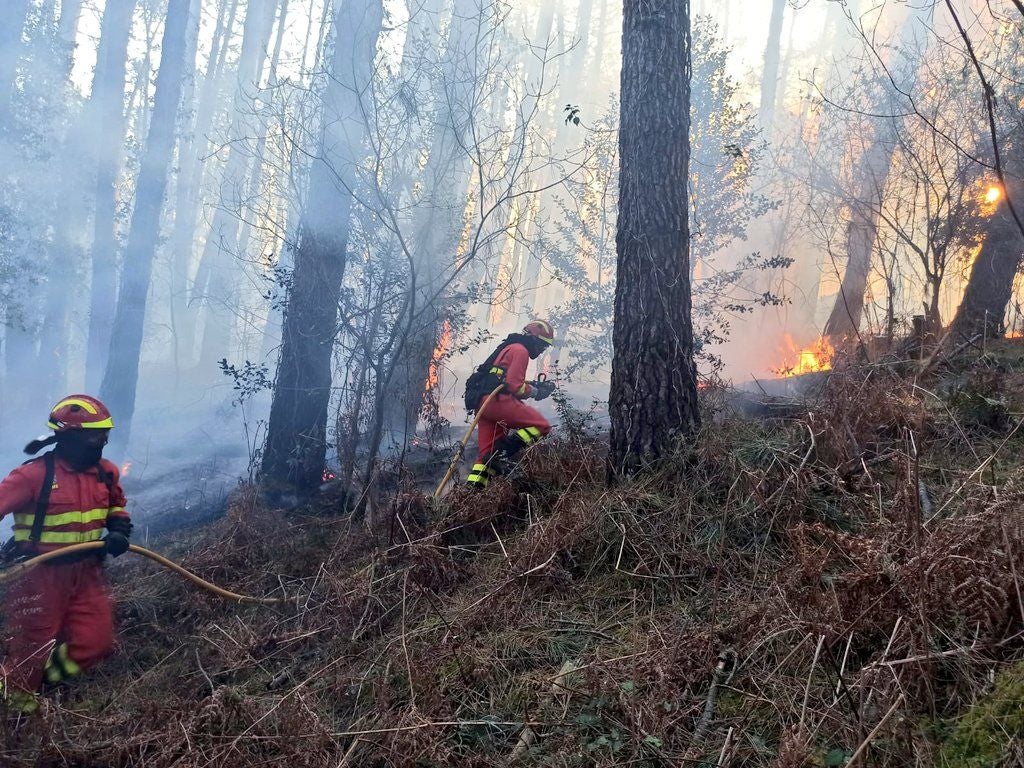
(67, 29)
(121, 377)
(217, 343)
(191, 157)
(49, 372)
(770, 78)
(871, 177)
(219, 255)
(653, 399)
(990, 286)
(108, 97)
(297, 432)
(438, 220)
(14, 14)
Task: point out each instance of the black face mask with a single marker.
(81, 449)
(535, 347)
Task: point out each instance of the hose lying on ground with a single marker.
(184, 573)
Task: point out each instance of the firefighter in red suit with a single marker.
(59, 614)
(507, 424)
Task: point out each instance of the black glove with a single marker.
(116, 544)
(118, 530)
(543, 389)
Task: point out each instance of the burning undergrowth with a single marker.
(840, 582)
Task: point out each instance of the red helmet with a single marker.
(541, 329)
(79, 412)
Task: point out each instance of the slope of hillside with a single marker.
(838, 586)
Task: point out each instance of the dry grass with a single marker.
(836, 584)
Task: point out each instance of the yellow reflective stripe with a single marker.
(107, 423)
(64, 518)
(526, 436)
(498, 371)
(114, 510)
(522, 389)
(479, 467)
(66, 662)
(534, 431)
(60, 537)
(85, 404)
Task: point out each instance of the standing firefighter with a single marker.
(507, 424)
(60, 618)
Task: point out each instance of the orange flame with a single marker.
(817, 357)
(440, 352)
(989, 199)
(126, 468)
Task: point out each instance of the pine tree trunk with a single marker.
(120, 379)
(14, 14)
(67, 29)
(49, 372)
(989, 288)
(770, 77)
(217, 344)
(653, 399)
(219, 255)
(869, 187)
(108, 98)
(438, 222)
(193, 170)
(297, 432)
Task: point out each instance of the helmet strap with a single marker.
(39, 443)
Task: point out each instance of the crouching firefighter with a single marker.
(507, 424)
(60, 618)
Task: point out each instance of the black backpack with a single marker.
(486, 378)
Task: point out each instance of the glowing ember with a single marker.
(126, 468)
(817, 357)
(992, 195)
(439, 354)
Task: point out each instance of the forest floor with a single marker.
(837, 585)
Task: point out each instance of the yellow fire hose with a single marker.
(465, 440)
(200, 582)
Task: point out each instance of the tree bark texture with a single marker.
(653, 399)
(297, 432)
(120, 380)
(108, 103)
(990, 286)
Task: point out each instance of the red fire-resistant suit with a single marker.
(506, 411)
(59, 602)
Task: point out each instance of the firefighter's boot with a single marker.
(479, 477)
(60, 668)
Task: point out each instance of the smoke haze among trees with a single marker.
(277, 234)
